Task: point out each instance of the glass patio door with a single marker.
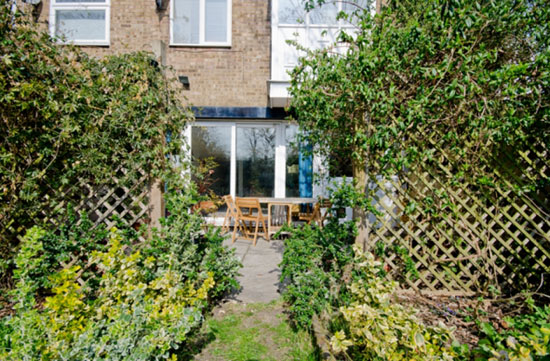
(211, 151)
(248, 159)
(255, 160)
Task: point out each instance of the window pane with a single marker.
(80, 24)
(255, 161)
(216, 20)
(213, 143)
(357, 5)
(324, 15)
(186, 21)
(292, 162)
(291, 12)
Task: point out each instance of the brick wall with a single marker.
(235, 76)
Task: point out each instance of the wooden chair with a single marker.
(316, 214)
(230, 214)
(250, 216)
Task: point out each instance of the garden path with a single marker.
(251, 324)
(260, 273)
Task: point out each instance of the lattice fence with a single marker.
(446, 237)
(104, 205)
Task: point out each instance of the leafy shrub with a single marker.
(198, 251)
(124, 300)
(313, 259)
(41, 252)
(129, 318)
(526, 338)
(375, 328)
(67, 118)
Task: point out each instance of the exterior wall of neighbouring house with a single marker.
(231, 76)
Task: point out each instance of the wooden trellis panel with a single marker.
(104, 205)
(474, 239)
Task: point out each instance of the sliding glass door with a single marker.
(248, 159)
(211, 152)
(255, 161)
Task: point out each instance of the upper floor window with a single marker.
(80, 22)
(293, 12)
(200, 22)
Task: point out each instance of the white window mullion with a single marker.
(229, 21)
(233, 167)
(280, 161)
(202, 26)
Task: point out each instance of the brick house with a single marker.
(232, 58)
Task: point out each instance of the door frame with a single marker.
(279, 182)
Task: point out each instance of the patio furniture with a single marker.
(230, 214)
(317, 215)
(250, 216)
(276, 218)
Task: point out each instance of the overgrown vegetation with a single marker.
(340, 292)
(68, 118)
(443, 105)
(121, 299)
(80, 291)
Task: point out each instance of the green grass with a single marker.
(257, 332)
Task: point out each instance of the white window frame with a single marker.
(202, 27)
(83, 5)
(339, 24)
(280, 150)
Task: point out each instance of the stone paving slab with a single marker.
(260, 273)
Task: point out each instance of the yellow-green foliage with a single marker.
(128, 318)
(528, 346)
(376, 328)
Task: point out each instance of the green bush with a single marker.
(122, 299)
(372, 326)
(42, 252)
(313, 261)
(67, 118)
(128, 318)
(198, 251)
(324, 273)
(527, 337)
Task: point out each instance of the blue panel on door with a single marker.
(305, 163)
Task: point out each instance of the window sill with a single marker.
(214, 45)
(104, 44)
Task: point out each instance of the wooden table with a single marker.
(281, 202)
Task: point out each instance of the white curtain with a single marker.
(216, 21)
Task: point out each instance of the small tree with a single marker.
(425, 78)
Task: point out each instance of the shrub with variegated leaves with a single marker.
(128, 318)
(375, 327)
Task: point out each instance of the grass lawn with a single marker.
(253, 332)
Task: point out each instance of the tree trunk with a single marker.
(360, 176)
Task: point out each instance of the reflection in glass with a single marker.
(186, 21)
(291, 12)
(80, 24)
(324, 15)
(292, 162)
(255, 161)
(214, 143)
